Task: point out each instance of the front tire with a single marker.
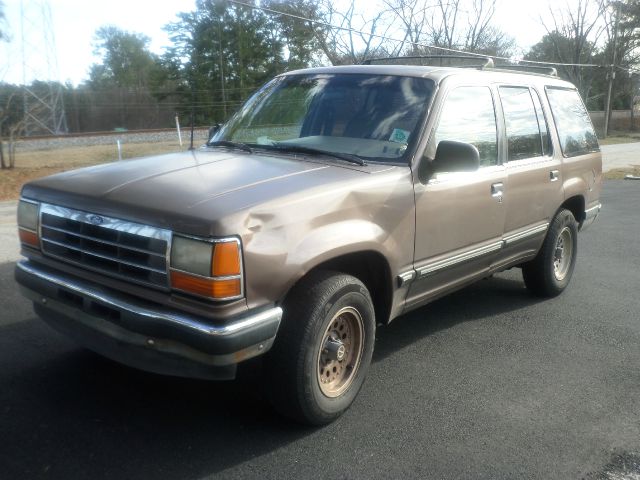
(549, 273)
(323, 349)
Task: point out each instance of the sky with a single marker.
(74, 23)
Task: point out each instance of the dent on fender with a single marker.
(290, 236)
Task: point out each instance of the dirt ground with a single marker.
(620, 173)
(35, 164)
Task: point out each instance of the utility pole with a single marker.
(612, 74)
(224, 97)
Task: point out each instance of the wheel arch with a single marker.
(368, 266)
(576, 205)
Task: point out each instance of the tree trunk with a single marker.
(12, 154)
(2, 164)
(11, 147)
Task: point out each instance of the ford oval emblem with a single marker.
(96, 219)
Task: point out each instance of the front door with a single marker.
(459, 215)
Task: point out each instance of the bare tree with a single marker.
(465, 25)
(6, 128)
(12, 126)
(574, 32)
(3, 32)
(484, 37)
(444, 28)
(622, 30)
(358, 37)
(413, 16)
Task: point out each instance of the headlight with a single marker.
(28, 219)
(211, 269)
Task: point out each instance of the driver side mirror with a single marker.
(451, 156)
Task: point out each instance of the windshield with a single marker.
(374, 117)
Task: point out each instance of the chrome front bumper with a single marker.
(590, 215)
(143, 335)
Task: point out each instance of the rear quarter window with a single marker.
(573, 123)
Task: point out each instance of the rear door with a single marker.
(533, 187)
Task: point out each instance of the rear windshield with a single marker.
(573, 123)
(375, 117)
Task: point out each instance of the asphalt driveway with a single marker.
(486, 383)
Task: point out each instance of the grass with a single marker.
(620, 137)
(35, 164)
(619, 173)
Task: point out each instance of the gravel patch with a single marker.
(9, 244)
(48, 143)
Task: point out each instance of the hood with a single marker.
(188, 191)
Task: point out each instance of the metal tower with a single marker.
(43, 101)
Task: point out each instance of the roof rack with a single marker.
(450, 60)
(488, 61)
(529, 68)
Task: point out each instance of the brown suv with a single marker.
(334, 200)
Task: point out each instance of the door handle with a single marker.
(554, 175)
(497, 190)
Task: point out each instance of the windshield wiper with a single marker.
(285, 147)
(227, 143)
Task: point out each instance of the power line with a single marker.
(383, 37)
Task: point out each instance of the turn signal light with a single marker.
(29, 238)
(206, 287)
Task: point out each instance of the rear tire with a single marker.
(549, 273)
(323, 348)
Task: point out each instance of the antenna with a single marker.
(42, 96)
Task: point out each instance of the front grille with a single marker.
(117, 248)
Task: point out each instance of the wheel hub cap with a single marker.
(340, 352)
(563, 254)
(334, 350)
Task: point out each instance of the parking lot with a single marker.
(486, 383)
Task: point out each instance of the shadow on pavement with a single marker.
(68, 413)
(484, 299)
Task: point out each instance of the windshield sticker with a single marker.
(399, 136)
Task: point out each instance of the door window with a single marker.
(547, 149)
(523, 132)
(468, 116)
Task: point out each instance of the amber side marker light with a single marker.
(206, 287)
(226, 259)
(28, 238)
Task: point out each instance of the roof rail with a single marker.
(440, 62)
(529, 68)
(488, 61)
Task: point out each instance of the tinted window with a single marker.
(373, 116)
(468, 116)
(572, 122)
(523, 133)
(542, 123)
